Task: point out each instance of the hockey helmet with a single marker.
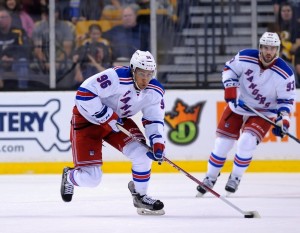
(270, 39)
(143, 60)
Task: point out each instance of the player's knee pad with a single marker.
(137, 154)
(223, 146)
(246, 145)
(92, 175)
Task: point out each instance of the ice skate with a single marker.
(66, 188)
(145, 205)
(232, 184)
(209, 182)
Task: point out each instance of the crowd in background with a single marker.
(24, 39)
(92, 35)
(287, 26)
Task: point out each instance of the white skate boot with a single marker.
(145, 205)
(209, 182)
(232, 184)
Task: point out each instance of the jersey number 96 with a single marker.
(104, 82)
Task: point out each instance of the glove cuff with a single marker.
(286, 122)
(154, 138)
(230, 93)
(104, 115)
(158, 146)
(285, 118)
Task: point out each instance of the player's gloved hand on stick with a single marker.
(282, 124)
(113, 124)
(241, 103)
(109, 118)
(157, 152)
(230, 95)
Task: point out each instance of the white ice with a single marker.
(32, 204)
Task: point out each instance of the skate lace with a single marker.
(148, 200)
(233, 182)
(69, 188)
(208, 182)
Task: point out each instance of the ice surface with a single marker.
(32, 204)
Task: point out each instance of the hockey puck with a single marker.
(249, 216)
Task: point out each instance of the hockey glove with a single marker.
(108, 117)
(282, 124)
(230, 95)
(158, 152)
(113, 124)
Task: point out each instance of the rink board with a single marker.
(125, 167)
(34, 134)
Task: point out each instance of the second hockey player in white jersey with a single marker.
(111, 97)
(265, 82)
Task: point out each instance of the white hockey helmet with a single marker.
(143, 60)
(270, 39)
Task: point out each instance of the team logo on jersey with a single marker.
(184, 121)
(92, 152)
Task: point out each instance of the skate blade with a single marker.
(143, 211)
(199, 194)
(228, 194)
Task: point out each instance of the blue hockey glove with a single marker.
(158, 152)
(282, 124)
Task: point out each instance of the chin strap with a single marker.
(135, 83)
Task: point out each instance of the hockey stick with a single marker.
(242, 104)
(247, 214)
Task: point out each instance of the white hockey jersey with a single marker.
(114, 88)
(267, 90)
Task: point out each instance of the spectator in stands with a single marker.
(289, 31)
(64, 41)
(13, 52)
(93, 56)
(90, 62)
(34, 8)
(94, 35)
(294, 3)
(276, 5)
(125, 39)
(20, 18)
(90, 9)
(74, 11)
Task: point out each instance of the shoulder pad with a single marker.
(249, 52)
(155, 85)
(124, 74)
(282, 68)
(249, 55)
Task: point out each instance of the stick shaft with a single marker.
(271, 122)
(207, 188)
(125, 131)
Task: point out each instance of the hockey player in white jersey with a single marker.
(263, 81)
(111, 97)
